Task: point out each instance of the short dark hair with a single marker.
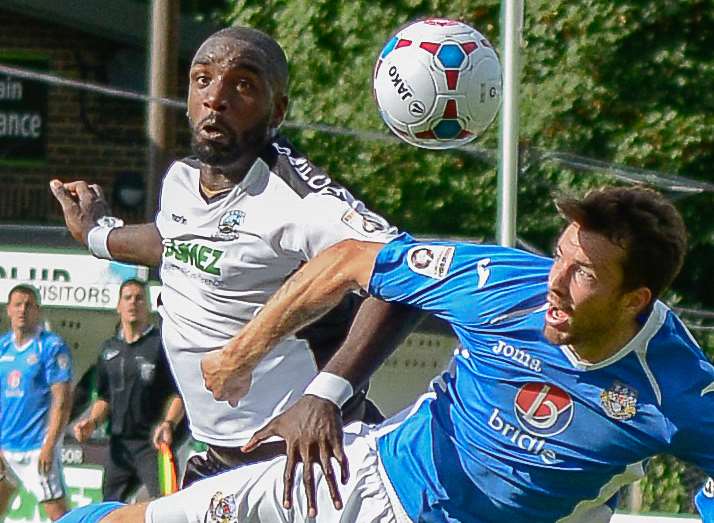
(25, 289)
(132, 281)
(640, 220)
(274, 53)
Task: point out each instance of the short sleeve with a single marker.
(459, 280)
(102, 378)
(694, 419)
(58, 361)
(324, 219)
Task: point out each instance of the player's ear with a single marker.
(637, 300)
(280, 109)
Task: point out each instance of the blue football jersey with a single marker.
(519, 429)
(704, 501)
(26, 374)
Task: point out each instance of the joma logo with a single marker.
(520, 356)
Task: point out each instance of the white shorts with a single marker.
(254, 493)
(21, 468)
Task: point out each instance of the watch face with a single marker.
(110, 222)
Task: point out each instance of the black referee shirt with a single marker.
(135, 379)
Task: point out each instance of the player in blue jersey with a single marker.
(35, 381)
(570, 373)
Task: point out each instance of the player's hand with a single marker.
(227, 379)
(82, 205)
(164, 433)
(44, 465)
(84, 429)
(312, 430)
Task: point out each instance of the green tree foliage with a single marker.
(619, 81)
(332, 47)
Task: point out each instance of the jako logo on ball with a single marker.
(403, 90)
(543, 409)
(437, 83)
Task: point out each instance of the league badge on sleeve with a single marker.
(63, 361)
(619, 401)
(433, 261)
(365, 223)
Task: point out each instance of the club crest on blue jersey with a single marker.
(619, 401)
(221, 509)
(433, 261)
(229, 224)
(32, 359)
(543, 409)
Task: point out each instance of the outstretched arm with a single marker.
(308, 294)
(83, 204)
(312, 428)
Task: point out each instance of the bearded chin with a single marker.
(212, 153)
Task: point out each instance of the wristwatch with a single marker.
(98, 235)
(110, 222)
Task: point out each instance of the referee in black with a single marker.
(136, 391)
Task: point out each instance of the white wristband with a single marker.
(98, 236)
(330, 387)
(97, 242)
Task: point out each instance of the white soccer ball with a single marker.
(437, 83)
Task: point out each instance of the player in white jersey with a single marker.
(234, 222)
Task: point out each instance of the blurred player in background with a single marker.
(35, 399)
(235, 221)
(136, 390)
(569, 375)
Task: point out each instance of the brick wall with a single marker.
(89, 136)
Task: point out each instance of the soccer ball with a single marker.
(437, 83)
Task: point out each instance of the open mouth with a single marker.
(557, 316)
(215, 132)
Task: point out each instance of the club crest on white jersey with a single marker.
(229, 225)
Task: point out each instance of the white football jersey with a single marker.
(224, 257)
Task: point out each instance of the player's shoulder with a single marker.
(673, 358)
(672, 339)
(50, 339)
(298, 174)
(110, 348)
(5, 338)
